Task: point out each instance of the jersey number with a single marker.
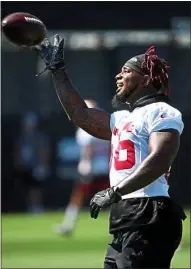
(128, 149)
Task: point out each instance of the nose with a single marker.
(118, 76)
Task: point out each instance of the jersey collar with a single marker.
(149, 99)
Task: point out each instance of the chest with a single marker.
(129, 137)
(129, 127)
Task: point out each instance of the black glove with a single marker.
(53, 55)
(103, 199)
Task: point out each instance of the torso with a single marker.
(129, 145)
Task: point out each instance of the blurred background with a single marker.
(39, 150)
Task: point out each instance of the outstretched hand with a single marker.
(53, 55)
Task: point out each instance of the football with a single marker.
(23, 29)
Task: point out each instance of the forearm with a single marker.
(68, 95)
(148, 171)
(95, 122)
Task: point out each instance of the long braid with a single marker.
(157, 69)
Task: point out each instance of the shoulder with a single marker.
(160, 107)
(158, 116)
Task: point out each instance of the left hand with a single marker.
(103, 199)
(53, 55)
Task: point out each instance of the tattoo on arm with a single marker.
(94, 121)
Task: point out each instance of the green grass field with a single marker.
(29, 242)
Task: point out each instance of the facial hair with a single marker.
(122, 101)
(118, 101)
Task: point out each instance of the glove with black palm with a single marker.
(53, 55)
(103, 199)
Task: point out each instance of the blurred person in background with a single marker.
(145, 222)
(93, 169)
(31, 161)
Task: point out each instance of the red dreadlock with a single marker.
(157, 70)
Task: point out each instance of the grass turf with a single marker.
(28, 241)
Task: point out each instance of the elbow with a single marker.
(77, 121)
(79, 116)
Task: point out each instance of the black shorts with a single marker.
(146, 235)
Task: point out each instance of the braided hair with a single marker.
(157, 69)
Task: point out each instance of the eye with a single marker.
(125, 70)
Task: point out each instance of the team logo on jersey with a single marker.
(164, 115)
(128, 127)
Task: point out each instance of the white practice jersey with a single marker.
(130, 135)
(101, 151)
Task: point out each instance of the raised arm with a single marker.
(94, 121)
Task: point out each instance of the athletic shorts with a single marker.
(149, 238)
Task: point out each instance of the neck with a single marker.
(140, 94)
(149, 99)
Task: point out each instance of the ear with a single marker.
(146, 81)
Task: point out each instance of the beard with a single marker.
(123, 100)
(120, 102)
(117, 102)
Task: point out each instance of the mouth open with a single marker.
(119, 86)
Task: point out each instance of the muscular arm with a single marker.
(93, 121)
(163, 147)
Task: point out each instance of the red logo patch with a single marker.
(128, 127)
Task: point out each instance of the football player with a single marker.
(145, 222)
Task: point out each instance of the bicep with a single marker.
(95, 122)
(164, 144)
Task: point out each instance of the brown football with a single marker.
(23, 29)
